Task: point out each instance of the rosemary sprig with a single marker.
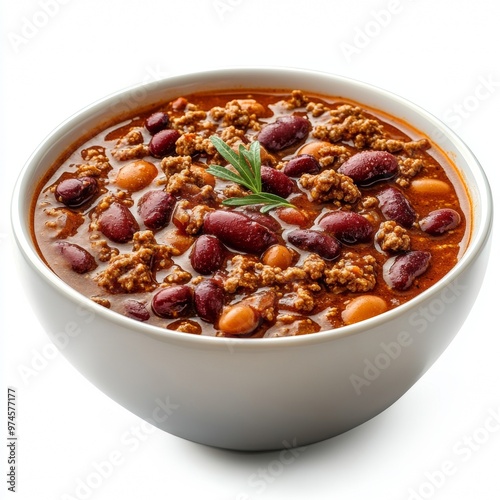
(247, 165)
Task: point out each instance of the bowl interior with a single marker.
(124, 102)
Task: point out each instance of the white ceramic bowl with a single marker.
(254, 394)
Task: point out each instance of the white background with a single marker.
(62, 55)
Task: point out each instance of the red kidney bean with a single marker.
(284, 132)
(207, 255)
(396, 207)
(401, 271)
(173, 302)
(323, 244)
(76, 192)
(136, 310)
(156, 122)
(117, 223)
(77, 257)
(439, 221)
(155, 208)
(264, 219)
(276, 182)
(348, 227)
(208, 300)
(239, 231)
(163, 143)
(368, 167)
(302, 164)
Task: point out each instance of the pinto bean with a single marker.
(239, 319)
(278, 256)
(239, 231)
(363, 307)
(136, 175)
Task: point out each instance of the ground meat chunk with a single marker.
(297, 99)
(352, 273)
(392, 237)
(191, 144)
(408, 168)
(65, 222)
(178, 276)
(236, 114)
(191, 219)
(97, 163)
(316, 108)
(242, 273)
(330, 186)
(128, 273)
(130, 146)
(314, 266)
(190, 121)
(332, 154)
(188, 183)
(349, 123)
(304, 299)
(175, 164)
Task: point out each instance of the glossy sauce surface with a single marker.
(132, 219)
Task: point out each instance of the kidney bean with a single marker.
(156, 122)
(239, 231)
(396, 207)
(264, 219)
(439, 221)
(76, 192)
(284, 132)
(136, 175)
(323, 244)
(276, 182)
(155, 208)
(208, 300)
(163, 143)
(117, 223)
(207, 255)
(77, 257)
(302, 164)
(368, 167)
(136, 310)
(348, 227)
(173, 302)
(401, 271)
(239, 319)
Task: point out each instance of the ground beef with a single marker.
(97, 163)
(178, 276)
(175, 164)
(191, 143)
(297, 99)
(236, 114)
(191, 219)
(65, 222)
(330, 186)
(352, 273)
(408, 168)
(130, 146)
(392, 237)
(190, 121)
(333, 154)
(316, 108)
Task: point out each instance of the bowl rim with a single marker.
(479, 234)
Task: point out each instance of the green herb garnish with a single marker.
(247, 164)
